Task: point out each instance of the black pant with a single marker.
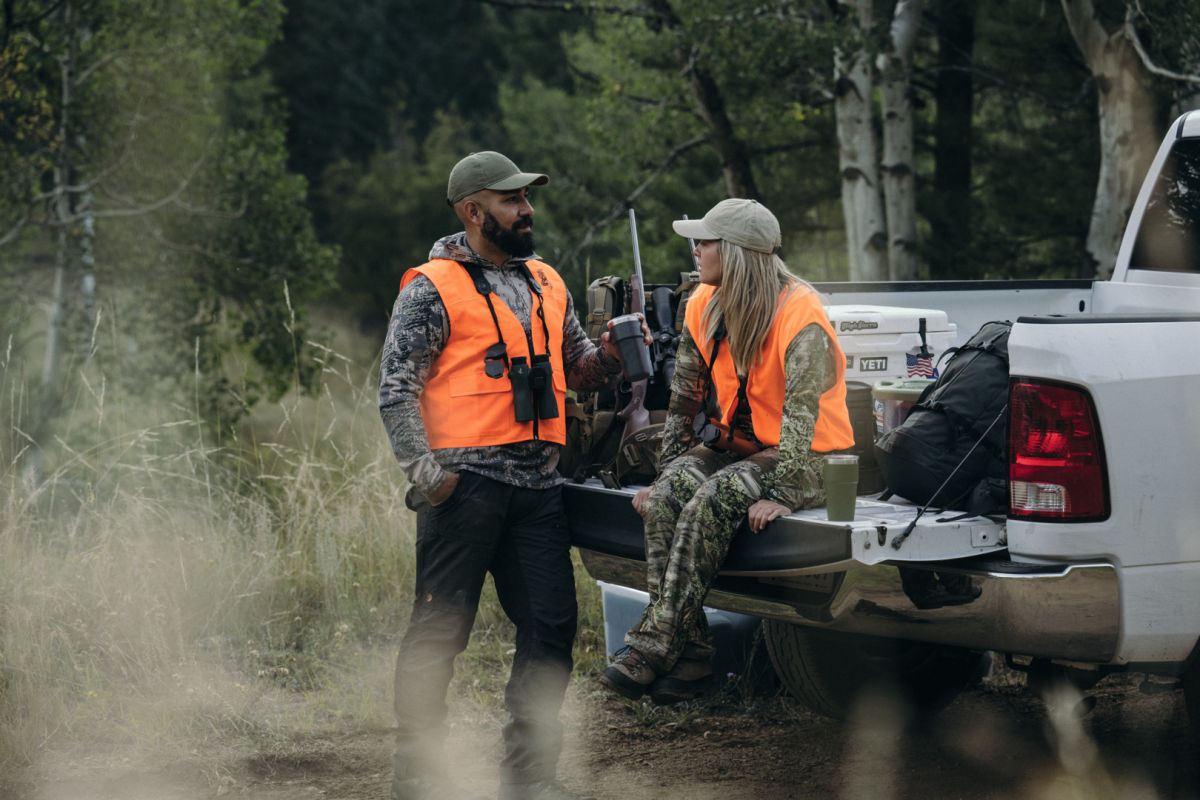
(520, 536)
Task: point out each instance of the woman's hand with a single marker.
(763, 512)
(640, 498)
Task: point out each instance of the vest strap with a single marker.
(484, 288)
(499, 351)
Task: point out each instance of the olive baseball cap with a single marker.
(746, 223)
(488, 170)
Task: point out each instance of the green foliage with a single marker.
(26, 125)
(366, 77)
(642, 126)
(168, 156)
(387, 213)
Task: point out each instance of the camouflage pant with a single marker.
(695, 507)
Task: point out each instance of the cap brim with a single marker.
(693, 229)
(519, 181)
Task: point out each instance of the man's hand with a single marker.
(763, 512)
(444, 489)
(610, 346)
(640, 498)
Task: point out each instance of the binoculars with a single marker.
(533, 392)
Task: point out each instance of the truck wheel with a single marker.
(1191, 696)
(827, 670)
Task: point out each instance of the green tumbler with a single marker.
(841, 486)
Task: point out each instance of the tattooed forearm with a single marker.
(588, 366)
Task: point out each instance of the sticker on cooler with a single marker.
(919, 364)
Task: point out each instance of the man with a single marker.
(482, 345)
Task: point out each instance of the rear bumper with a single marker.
(1067, 612)
(818, 574)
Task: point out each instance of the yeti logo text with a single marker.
(878, 364)
(857, 325)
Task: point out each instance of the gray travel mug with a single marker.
(626, 331)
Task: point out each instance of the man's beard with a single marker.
(518, 245)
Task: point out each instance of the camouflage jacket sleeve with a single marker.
(587, 366)
(416, 335)
(687, 395)
(809, 371)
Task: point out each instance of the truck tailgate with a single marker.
(603, 521)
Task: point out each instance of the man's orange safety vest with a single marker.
(766, 382)
(460, 405)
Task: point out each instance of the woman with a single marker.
(758, 398)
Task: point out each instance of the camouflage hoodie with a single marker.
(416, 335)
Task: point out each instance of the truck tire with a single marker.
(827, 670)
(1191, 696)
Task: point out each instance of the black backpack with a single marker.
(951, 450)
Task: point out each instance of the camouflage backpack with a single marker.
(605, 300)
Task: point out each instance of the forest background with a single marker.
(206, 207)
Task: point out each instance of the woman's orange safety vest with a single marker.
(460, 405)
(766, 383)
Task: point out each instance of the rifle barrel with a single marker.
(637, 256)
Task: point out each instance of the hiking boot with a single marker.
(429, 788)
(687, 680)
(630, 675)
(542, 790)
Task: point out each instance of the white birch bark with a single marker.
(62, 212)
(1127, 131)
(862, 203)
(899, 177)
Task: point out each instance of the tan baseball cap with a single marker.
(746, 223)
(488, 169)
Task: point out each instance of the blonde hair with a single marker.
(746, 300)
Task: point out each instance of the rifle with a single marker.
(635, 414)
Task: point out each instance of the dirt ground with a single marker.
(992, 742)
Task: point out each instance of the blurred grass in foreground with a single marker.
(163, 595)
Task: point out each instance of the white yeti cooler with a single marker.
(885, 341)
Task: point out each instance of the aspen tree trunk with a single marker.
(899, 177)
(62, 214)
(862, 204)
(51, 390)
(1128, 135)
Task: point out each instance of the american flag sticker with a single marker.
(919, 364)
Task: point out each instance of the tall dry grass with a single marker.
(164, 593)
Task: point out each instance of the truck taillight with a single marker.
(1055, 457)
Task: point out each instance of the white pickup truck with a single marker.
(1096, 566)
